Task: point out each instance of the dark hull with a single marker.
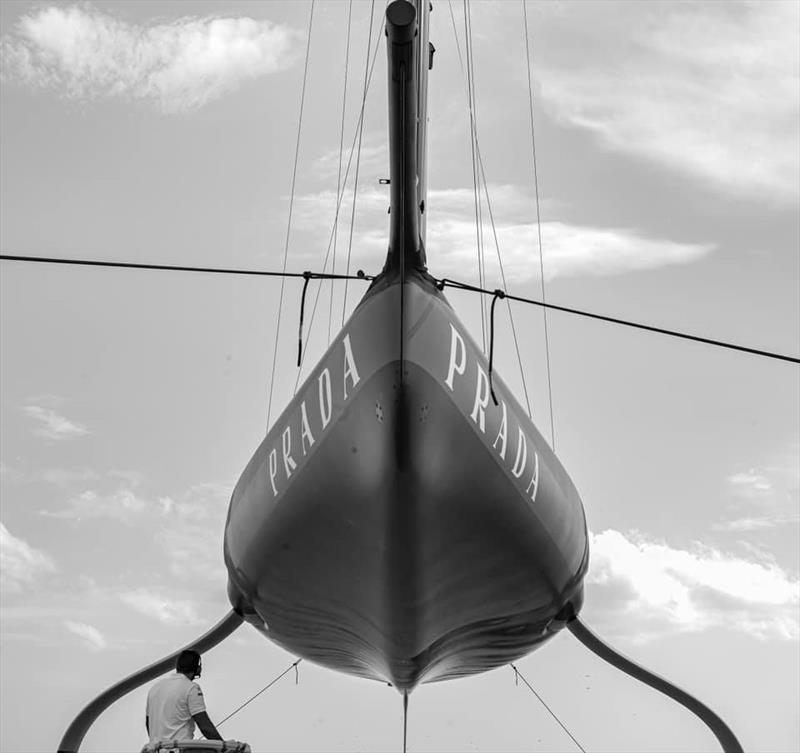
(383, 531)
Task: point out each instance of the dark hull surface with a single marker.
(396, 524)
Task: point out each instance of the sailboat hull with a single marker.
(396, 524)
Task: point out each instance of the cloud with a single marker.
(757, 523)
(161, 608)
(652, 589)
(10, 473)
(92, 637)
(54, 426)
(769, 494)
(122, 505)
(569, 250)
(20, 563)
(711, 90)
(776, 481)
(66, 476)
(751, 482)
(374, 160)
(187, 526)
(133, 478)
(192, 543)
(86, 54)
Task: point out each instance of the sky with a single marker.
(667, 155)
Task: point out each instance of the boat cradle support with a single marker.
(73, 737)
(721, 731)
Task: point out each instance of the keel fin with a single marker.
(405, 718)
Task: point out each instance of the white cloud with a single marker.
(569, 250)
(10, 473)
(54, 426)
(768, 494)
(20, 563)
(123, 505)
(66, 476)
(187, 527)
(651, 588)
(193, 543)
(709, 89)
(757, 523)
(86, 54)
(374, 160)
(161, 608)
(91, 636)
(751, 482)
(133, 478)
(773, 482)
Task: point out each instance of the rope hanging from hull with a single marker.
(264, 690)
(518, 675)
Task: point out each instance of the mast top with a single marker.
(407, 101)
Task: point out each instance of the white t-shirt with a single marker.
(171, 703)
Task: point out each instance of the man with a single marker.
(175, 704)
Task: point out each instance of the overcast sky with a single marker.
(668, 163)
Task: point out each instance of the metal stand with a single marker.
(721, 730)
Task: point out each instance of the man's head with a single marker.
(189, 664)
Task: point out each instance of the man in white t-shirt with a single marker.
(175, 704)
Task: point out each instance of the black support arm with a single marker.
(73, 737)
(721, 730)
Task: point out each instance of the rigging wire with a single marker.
(358, 155)
(347, 172)
(482, 249)
(494, 231)
(341, 149)
(475, 178)
(177, 268)
(440, 283)
(264, 689)
(517, 673)
(538, 228)
(289, 223)
(505, 285)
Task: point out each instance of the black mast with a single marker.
(406, 247)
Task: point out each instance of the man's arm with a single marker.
(206, 726)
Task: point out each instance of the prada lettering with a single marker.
(511, 444)
(294, 441)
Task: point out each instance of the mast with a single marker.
(407, 133)
(424, 64)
